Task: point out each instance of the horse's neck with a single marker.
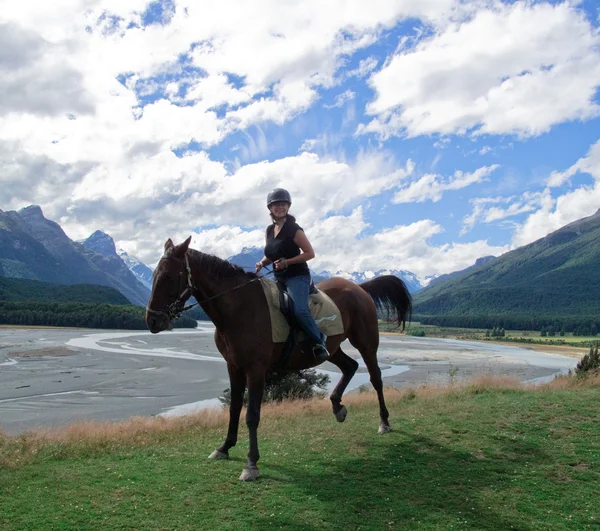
(208, 285)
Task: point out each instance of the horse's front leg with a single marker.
(256, 385)
(237, 384)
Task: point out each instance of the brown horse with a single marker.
(235, 302)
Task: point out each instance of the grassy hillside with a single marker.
(485, 456)
(14, 289)
(556, 278)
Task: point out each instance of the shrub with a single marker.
(417, 332)
(300, 385)
(589, 363)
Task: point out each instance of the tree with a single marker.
(589, 363)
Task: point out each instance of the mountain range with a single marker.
(37, 248)
(554, 278)
(103, 244)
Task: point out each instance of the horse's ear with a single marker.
(183, 247)
(168, 244)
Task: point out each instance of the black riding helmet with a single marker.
(279, 194)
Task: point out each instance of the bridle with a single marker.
(175, 309)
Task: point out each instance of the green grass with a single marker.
(479, 457)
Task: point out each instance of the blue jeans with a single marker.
(298, 288)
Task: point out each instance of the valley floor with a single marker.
(54, 377)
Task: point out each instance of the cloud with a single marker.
(516, 68)
(27, 176)
(432, 186)
(566, 208)
(400, 247)
(196, 77)
(35, 78)
(364, 67)
(589, 164)
(486, 210)
(152, 198)
(342, 99)
(225, 241)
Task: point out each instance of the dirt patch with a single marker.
(40, 352)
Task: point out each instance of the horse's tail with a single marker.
(390, 295)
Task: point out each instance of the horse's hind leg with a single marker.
(348, 367)
(368, 350)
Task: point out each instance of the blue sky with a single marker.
(412, 135)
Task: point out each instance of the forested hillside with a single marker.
(35, 303)
(16, 289)
(555, 280)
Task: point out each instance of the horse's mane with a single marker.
(217, 267)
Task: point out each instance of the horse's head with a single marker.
(170, 287)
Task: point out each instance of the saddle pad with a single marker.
(322, 308)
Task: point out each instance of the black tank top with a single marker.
(284, 246)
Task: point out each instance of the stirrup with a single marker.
(320, 353)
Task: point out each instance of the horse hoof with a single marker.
(340, 416)
(250, 474)
(218, 455)
(384, 428)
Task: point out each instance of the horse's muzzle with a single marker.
(157, 321)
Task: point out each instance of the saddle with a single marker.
(283, 326)
(286, 306)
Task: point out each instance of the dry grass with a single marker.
(142, 430)
(572, 382)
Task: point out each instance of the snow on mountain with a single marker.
(411, 280)
(142, 272)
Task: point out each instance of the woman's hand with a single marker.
(258, 266)
(281, 264)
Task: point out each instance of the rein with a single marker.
(173, 312)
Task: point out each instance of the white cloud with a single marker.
(150, 199)
(432, 187)
(341, 99)
(364, 67)
(226, 240)
(568, 207)
(400, 247)
(483, 212)
(35, 77)
(515, 68)
(589, 164)
(251, 62)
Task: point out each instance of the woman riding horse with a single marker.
(236, 303)
(284, 241)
